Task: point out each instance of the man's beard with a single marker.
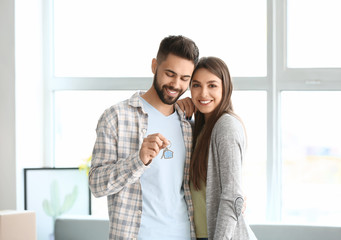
(160, 92)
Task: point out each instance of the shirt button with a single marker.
(144, 130)
(139, 212)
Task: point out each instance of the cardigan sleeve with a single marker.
(228, 140)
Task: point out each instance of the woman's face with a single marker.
(206, 90)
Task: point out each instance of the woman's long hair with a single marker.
(199, 161)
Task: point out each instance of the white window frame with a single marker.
(279, 78)
(299, 78)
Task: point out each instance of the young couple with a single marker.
(152, 166)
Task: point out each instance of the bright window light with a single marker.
(311, 154)
(105, 38)
(76, 117)
(313, 34)
(250, 106)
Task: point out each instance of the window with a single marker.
(106, 38)
(250, 106)
(96, 62)
(283, 55)
(76, 117)
(313, 41)
(311, 154)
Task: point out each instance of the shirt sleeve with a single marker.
(229, 142)
(108, 174)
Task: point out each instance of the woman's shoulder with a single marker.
(228, 123)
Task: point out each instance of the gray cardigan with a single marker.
(224, 196)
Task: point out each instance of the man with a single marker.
(142, 152)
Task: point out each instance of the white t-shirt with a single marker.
(164, 210)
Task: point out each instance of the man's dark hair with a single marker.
(180, 46)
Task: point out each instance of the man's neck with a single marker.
(153, 99)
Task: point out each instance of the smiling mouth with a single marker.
(171, 92)
(205, 102)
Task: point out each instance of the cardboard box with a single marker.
(17, 225)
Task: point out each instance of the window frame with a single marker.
(299, 78)
(279, 78)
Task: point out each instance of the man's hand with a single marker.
(151, 147)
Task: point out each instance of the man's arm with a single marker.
(108, 174)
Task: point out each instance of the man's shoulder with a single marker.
(119, 105)
(126, 104)
(118, 110)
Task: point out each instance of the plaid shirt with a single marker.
(116, 167)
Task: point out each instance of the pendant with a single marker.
(167, 153)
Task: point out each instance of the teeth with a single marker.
(171, 92)
(204, 102)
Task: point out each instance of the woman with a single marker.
(216, 165)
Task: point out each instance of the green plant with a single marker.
(54, 208)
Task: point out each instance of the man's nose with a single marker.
(175, 83)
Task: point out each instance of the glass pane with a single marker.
(77, 113)
(311, 154)
(104, 38)
(250, 106)
(76, 117)
(313, 38)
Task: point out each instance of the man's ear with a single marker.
(154, 65)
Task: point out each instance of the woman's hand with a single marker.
(187, 106)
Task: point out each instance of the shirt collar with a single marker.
(136, 102)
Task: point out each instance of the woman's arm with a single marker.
(229, 141)
(187, 106)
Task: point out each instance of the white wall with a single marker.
(21, 96)
(29, 86)
(7, 107)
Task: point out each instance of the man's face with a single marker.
(172, 78)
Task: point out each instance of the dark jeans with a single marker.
(202, 238)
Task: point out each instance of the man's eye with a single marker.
(169, 74)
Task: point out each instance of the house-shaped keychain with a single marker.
(167, 153)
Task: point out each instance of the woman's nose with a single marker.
(204, 92)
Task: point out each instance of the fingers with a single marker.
(159, 138)
(187, 106)
(244, 205)
(181, 104)
(151, 147)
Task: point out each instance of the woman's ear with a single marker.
(154, 65)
